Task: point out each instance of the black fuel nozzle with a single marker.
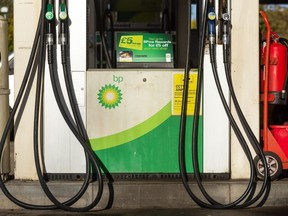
(226, 36)
(63, 29)
(212, 24)
(63, 12)
(63, 18)
(226, 29)
(50, 20)
(50, 30)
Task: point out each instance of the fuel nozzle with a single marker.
(212, 24)
(226, 28)
(50, 30)
(63, 18)
(226, 25)
(63, 36)
(50, 19)
(49, 15)
(63, 11)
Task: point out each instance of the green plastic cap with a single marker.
(63, 12)
(49, 12)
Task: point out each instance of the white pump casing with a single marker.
(242, 64)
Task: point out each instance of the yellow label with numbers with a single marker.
(134, 42)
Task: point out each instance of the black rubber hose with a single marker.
(248, 194)
(165, 22)
(100, 15)
(63, 110)
(74, 105)
(93, 161)
(197, 107)
(38, 43)
(65, 41)
(34, 56)
(65, 59)
(242, 141)
(266, 181)
(245, 147)
(55, 83)
(77, 115)
(183, 117)
(108, 16)
(251, 136)
(38, 105)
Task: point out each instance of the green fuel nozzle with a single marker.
(63, 12)
(63, 27)
(49, 15)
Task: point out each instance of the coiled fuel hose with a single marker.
(46, 30)
(249, 197)
(24, 89)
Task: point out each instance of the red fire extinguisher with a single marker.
(277, 86)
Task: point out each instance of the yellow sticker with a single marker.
(134, 42)
(178, 83)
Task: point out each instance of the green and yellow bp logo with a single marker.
(110, 96)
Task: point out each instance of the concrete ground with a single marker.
(145, 198)
(264, 211)
(137, 195)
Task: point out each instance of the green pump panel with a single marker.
(133, 119)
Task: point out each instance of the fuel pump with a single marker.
(46, 32)
(249, 196)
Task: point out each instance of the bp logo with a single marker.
(110, 96)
